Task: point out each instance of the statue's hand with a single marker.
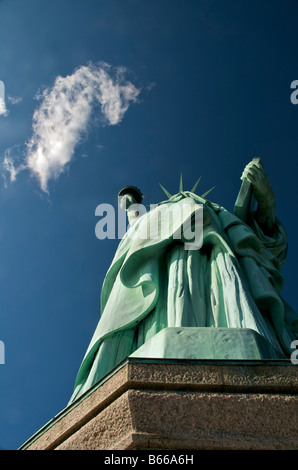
(255, 173)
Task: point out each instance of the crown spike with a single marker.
(165, 191)
(195, 186)
(207, 192)
(181, 184)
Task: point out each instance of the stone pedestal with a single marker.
(181, 404)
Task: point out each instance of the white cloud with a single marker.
(14, 99)
(64, 114)
(8, 165)
(11, 156)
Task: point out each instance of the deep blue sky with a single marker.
(214, 80)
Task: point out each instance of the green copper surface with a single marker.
(233, 282)
(207, 343)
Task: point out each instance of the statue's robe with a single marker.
(232, 281)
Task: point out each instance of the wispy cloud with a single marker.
(14, 99)
(64, 115)
(12, 163)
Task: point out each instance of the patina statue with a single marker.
(232, 282)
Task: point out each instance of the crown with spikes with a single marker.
(181, 188)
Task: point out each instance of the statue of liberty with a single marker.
(230, 282)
